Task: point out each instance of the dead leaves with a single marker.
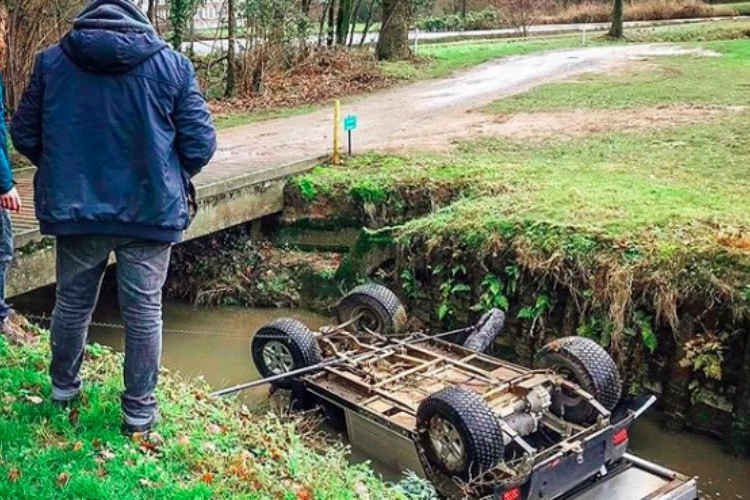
(35, 400)
(149, 443)
(14, 475)
(63, 479)
(319, 78)
(146, 483)
(73, 416)
(304, 493)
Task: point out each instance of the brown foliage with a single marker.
(31, 26)
(597, 12)
(324, 75)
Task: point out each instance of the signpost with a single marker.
(350, 124)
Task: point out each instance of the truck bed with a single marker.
(638, 479)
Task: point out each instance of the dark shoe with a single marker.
(130, 429)
(13, 333)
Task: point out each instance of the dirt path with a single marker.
(425, 115)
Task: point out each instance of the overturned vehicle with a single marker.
(474, 425)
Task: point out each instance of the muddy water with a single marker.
(213, 344)
(221, 356)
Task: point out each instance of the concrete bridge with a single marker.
(230, 192)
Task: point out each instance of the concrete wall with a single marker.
(223, 204)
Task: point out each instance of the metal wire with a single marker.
(118, 326)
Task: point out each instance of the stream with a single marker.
(214, 344)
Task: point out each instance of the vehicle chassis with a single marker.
(383, 380)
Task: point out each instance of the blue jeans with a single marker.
(6, 256)
(141, 272)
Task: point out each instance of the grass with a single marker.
(205, 447)
(445, 58)
(663, 199)
(742, 8)
(687, 80)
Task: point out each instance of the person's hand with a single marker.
(11, 201)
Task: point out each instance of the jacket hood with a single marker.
(111, 36)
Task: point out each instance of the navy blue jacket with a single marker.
(117, 126)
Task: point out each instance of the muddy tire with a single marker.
(583, 362)
(281, 346)
(459, 433)
(382, 311)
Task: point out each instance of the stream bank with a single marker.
(671, 307)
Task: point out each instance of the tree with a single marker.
(151, 12)
(615, 31)
(520, 14)
(393, 42)
(231, 51)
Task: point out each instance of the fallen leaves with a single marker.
(36, 400)
(63, 479)
(208, 478)
(78, 446)
(146, 483)
(215, 429)
(325, 75)
(14, 475)
(150, 442)
(304, 493)
(73, 416)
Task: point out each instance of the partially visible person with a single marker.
(9, 202)
(117, 125)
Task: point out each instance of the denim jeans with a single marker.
(6, 255)
(141, 272)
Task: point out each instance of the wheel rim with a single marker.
(447, 443)
(368, 320)
(277, 357)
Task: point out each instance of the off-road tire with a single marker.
(476, 424)
(385, 314)
(587, 364)
(298, 340)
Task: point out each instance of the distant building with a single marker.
(210, 14)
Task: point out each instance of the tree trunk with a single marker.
(616, 30)
(231, 50)
(323, 22)
(393, 42)
(151, 12)
(368, 24)
(331, 23)
(342, 21)
(354, 17)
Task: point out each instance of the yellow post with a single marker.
(336, 120)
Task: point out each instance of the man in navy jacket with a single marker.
(117, 126)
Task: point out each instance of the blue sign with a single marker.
(350, 123)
